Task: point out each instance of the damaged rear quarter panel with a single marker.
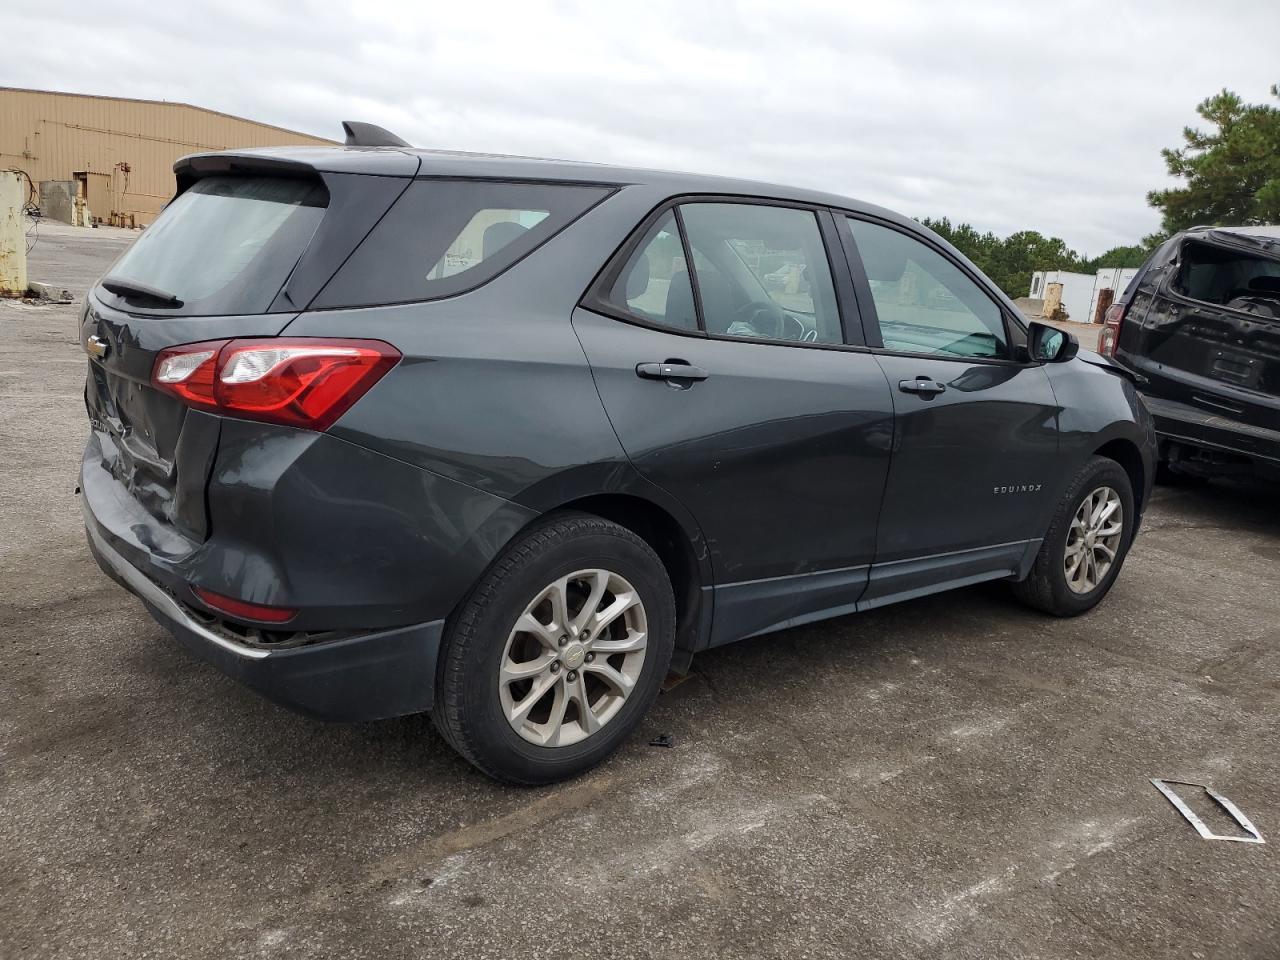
(352, 537)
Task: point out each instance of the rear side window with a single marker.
(225, 246)
(762, 272)
(654, 285)
(444, 237)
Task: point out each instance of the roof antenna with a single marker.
(370, 135)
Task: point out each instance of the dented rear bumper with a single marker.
(366, 677)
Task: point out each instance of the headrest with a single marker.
(638, 277)
(1267, 284)
(498, 235)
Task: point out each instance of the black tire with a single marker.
(468, 708)
(1045, 588)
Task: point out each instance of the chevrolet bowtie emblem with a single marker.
(97, 347)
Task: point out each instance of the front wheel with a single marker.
(1086, 543)
(557, 652)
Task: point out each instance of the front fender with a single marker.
(1097, 407)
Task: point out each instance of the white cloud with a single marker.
(1007, 115)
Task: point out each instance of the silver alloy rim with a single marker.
(1093, 540)
(573, 658)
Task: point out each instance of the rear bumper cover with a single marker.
(1184, 423)
(370, 677)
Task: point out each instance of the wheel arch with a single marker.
(671, 541)
(1126, 453)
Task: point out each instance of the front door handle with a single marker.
(671, 370)
(922, 385)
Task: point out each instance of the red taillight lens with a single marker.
(300, 382)
(1110, 333)
(303, 383)
(242, 610)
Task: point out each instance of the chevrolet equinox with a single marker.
(379, 430)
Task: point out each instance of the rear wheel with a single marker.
(1086, 543)
(557, 652)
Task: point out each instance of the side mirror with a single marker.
(1048, 344)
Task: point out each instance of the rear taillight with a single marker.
(300, 382)
(188, 372)
(242, 610)
(1110, 334)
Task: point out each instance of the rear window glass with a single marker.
(225, 246)
(1229, 278)
(444, 237)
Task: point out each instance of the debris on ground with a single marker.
(49, 291)
(1245, 823)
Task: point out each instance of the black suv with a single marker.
(379, 430)
(1199, 326)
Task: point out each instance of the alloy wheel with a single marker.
(1093, 540)
(573, 657)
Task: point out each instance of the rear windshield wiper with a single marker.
(131, 288)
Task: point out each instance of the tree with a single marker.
(1232, 171)
(1134, 256)
(1011, 261)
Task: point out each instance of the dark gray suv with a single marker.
(380, 430)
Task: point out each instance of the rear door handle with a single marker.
(921, 385)
(670, 370)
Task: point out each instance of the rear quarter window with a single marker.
(445, 237)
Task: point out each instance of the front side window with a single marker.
(924, 302)
(444, 237)
(762, 272)
(654, 284)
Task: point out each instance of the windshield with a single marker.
(225, 246)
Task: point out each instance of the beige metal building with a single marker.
(118, 154)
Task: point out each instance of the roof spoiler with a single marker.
(370, 135)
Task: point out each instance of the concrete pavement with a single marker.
(954, 777)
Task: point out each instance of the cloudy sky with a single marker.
(1008, 115)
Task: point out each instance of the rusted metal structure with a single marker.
(13, 248)
(1053, 302)
(118, 152)
(1104, 299)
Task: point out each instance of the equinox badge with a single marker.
(1017, 488)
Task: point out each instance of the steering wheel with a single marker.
(760, 316)
(775, 322)
(765, 318)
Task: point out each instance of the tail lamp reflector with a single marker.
(241, 610)
(300, 382)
